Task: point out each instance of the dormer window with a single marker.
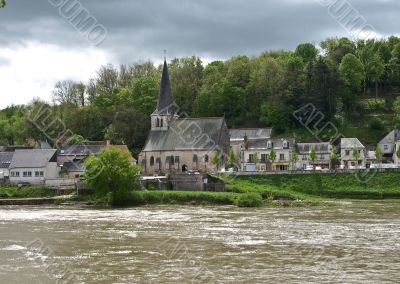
(269, 144)
(286, 144)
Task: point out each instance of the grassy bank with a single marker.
(26, 192)
(318, 187)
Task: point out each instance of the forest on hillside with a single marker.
(355, 84)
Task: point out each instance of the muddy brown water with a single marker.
(347, 243)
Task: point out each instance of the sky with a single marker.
(42, 42)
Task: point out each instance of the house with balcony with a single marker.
(352, 154)
(256, 155)
(323, 152)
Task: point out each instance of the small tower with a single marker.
(165, 113)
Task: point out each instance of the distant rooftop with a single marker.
(251, 133)
(351, 143)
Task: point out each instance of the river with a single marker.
(347, 243)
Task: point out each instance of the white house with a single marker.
(348, 146)
(34, 166)
(256, 155)
(5, 161)
(323, 151)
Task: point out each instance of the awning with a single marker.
(280, 164)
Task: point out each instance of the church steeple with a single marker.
(165, 104)
(165, 112)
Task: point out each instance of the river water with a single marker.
(347, 243)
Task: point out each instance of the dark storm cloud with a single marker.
(141, 29)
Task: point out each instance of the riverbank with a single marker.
(242, 191)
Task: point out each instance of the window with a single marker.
(206, 158)
(195, 158)
(322, 157)
(36, 174)
(15, 174)
(251, 158)
(167, 162)
(177, 159)
(285, 144)
(152, 162)
(158, 122)
(347, 152)
(162, 122)
(27, 174)
(39, 174)
(172, 160)
(158, 163)
(385, 147)
(282, 157)
(304, 157)
(264, 158)
(269, 144)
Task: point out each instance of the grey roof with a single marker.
(74, 166)
(33, 158)
(44, 145)
(276, 142)
(371, 155)
(251, 133)
(165, 103)
(5, 159)
(183, 135)
(83, 150)
(350, 143)
(305, 148)
(392, 137)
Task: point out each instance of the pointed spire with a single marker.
(165, 103)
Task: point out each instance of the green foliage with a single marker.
(26, 192)
(313, 155)
(352, 71)
(396, 108)
(75, 139)
(376, 124)
(232, 160)
(378, 154)
(249, 200)
(356, 154)
(216, 160)
(111, 174)
(398, 152)
(272, 155)
(3, 3)
(307, 51)
(334, 154)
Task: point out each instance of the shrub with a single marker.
(250, 199)
(376, 124)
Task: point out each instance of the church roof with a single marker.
(187, 134)
(165, 103)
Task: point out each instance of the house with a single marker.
(348, 148)
(323, 151)
(33, 166)
(72, 157)
(178, 145)
(389, 146)
(5, 161)
(238, 137)
(256, 155)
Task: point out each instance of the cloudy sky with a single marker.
(39, 45)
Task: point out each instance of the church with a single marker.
(178, 144)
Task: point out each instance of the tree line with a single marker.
(337, 77)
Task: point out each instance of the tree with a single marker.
(256, 159)
(398, 152)
(307, 51)
(352, 71)
(334, 155)
(3, 3)
(232, 160)
(356, 154)
(313, 157)
(378, 154)
(294, 159)
(111, 173)
(216, 160)
(396, 108)
(75, 139)
(272, 156)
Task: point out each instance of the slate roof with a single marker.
(392, 137)
(5, 159)
(34, 158)
(74, 166)
(276, 142)
(183, 134)
(84, 150)
(350, 143)
(320, 148)
(165, 103)
(251, 133)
